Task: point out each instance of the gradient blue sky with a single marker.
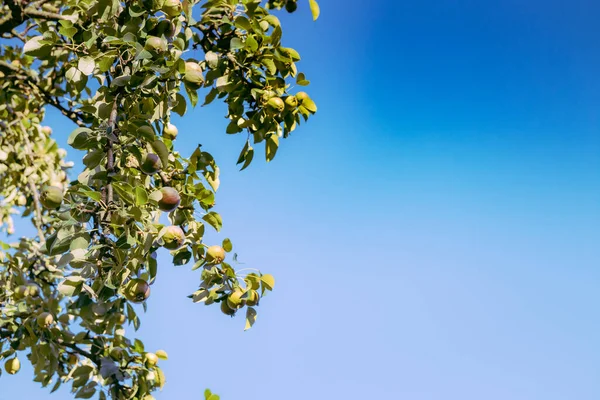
(435, 229)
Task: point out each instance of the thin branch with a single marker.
(33, 81)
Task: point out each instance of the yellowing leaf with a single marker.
(314, 8)
(268, 281)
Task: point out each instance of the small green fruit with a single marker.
(252, 298)
(291, 101)
(234, 300)
(150, 359)
(46, 130)
(170, 199)
(137, 290)
(116, 353)
(173, 237)
(172, 8)
(215, 254)
(51, 197)
(44, 320)
(301, 96)
(120, 319)
(276, 104)
(170, 131)
(291, 6)
(73, 359)
(225, 309)
(193, 73)
(21, 292)
(155, 45)
(151, 164)
(33, 290)
(12, 366)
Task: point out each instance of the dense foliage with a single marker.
(119, 70)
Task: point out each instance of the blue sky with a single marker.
(433, 230)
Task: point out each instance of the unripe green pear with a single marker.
(225, 309)
(276, 104)
(21, 292)
(33, 290)
(291, 101)
(170, 199)
(44, 320)
(252, 298)
(137, 290)
(150, 359)
(193, 73)
(120, 318)
(12, 366)
(166, 28)
(170, 131)
(215, 254)
(173, 237)
(51, 197)
(46, 130)
(301, 96)
(151, 164)
(234, 300)
(291, 6)
(116, 353)
(172, 7)
(155, 45)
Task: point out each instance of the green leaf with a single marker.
(314, 8)
(268, 281)
(80, 138)
(161, 150)
(36, 47)
(214, 220)
(227, 246)
(86, 65)
(271, 146)
(250, 318)
(141, 196)
(236, 44)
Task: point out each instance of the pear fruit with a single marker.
(120, 318)
(225, 309)
(173, 237)
(291, 6)
(51, 197)
(155, 45)
(193, 74)
(44, 320)
(170, 131)
(172, 8)
(170, 199)
(21, 292)
(73, 359)
(150, 359)
(301, 96)
(276, 104)
(235, 301)
(12, 366)
(252, 298)
(291, 101)
(151, 164)
(215, 254)
(137, 290)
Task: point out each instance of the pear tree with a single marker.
(73, 291)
